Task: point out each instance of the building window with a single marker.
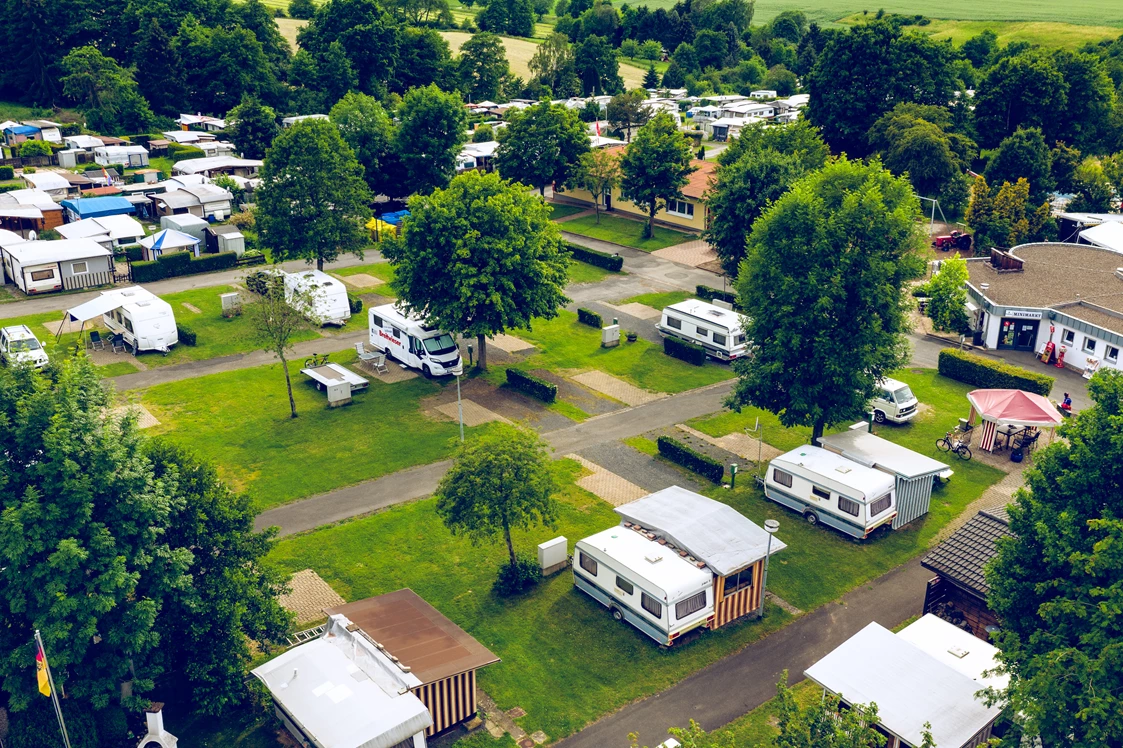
(738, 581)
(719, 339)
(79, 268)
(680, 208)
(42, 275)
(589, 564)
(690, 605)
(784, 479)
(880, 505)
(1068, 337)
(625, 585)
(846, 506)
(1111, 353)
(651, 605)
(1089, 345)
(820, 493)
(674, 323)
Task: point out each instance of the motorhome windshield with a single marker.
(903, 395)
(442, 343)
(19, 346)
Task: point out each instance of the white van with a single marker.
(895, 402)
(716, 329)
(18, 345)
(829, 488)
(144, 320)
(407, 340)
(328, 296)
(644, 583)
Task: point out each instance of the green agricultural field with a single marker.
(1046, 34)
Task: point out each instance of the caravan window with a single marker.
(376, 321)
(739, 340)
(78, 268)
(42, 275)
(880, 505)
(128, 324)
(651, 605)
(589, 564)
(396, 331)
(739, 581)
(701, 333)
(846, 506)
(820, 493)
(690, 605)
(625, 585)
(784, 479)
(719, 338)
(675, 323)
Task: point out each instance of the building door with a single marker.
(1018, 334)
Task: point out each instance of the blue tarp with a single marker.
(96, 207)
(395, 218)
(22, 130)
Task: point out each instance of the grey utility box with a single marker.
(339, 393)
(610, 336)
(552, 556)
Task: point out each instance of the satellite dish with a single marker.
(31, 236)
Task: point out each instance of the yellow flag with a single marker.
(41, 672)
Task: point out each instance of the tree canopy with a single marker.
(1023, 155)
(252, 128)
(432, 127)
(483, 67)
(368, 129)
(106, 93)
(542, 145)
(655, 167)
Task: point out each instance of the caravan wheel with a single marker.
(617, 614)
(811, 517)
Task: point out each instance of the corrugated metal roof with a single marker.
(873, 451)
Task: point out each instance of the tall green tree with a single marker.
(480, 257)
(251, 127)
(1023, 155)
(599, 174)
(628, 111)
(947, 296)
(368, 129)
(106, 93)
(483, 66)
(542, 145)
(822, 289)
(1056, 585)
(651, 78)
(553, 66)
(597, 67)
(162, 82)
(1092, 190)
(367, 33)
(312, 202)
(226, 64)
(499, 481)
(510, 17)
(655, 167)
(1025, 90)
(433, 125)
(1004, 216)
(424, 58)
(275, 318)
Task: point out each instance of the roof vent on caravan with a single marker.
(653, 559)
(842, 469)
(958, 652)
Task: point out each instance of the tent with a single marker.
(1005, 408)
(1107, 235)
(168, 240)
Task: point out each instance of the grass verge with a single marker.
(561, 210)
(659, 300)
(583, 272)
(625, 232)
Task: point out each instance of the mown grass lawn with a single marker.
(6, 295)
(560, 210)
(564, 660)
(240, 420)
(625, 231)
(659, 300)
(383, 271)
(566, 346)
(583, 272)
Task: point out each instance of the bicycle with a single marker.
(316, 360)
(958, 447)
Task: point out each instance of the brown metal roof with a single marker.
(962, 558)
(1053, 275)
(417, 634)
(699, 181)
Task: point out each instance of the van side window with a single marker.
(846, 506)
(376, 321)
(651, 605)
(589, 564)
(784, 479)
(625, 585)
(397, 332)
(820, 493)
(675, 323)
(128, 324)
(690, 605)
(719, 338)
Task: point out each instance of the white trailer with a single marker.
(145, 321)
(829, 488)
(644, 583)
(719, 331)
(326, 296)
(406, 339)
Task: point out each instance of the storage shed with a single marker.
(186, 223)
(915, 473)
(732, 546)
(224, 239)
(439, 654)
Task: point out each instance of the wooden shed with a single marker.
(714, 534)
(443, 656)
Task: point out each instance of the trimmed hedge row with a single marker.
(706, 293)
(704, 465)
(593, 257)
(186, 334)
(532, 385)
(590, 318)
(691, 353)
(177, 152)
(181, 263)
(7, 172)
(983, 372)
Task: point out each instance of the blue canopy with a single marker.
(396, 217)
(96, 207)
(22, 130)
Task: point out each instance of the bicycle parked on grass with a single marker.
(954, 442)
(315, 360)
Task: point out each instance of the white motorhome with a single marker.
(644, 583)
(895, 402)
(327, 296)
(145, 321)
(829, 488)
(407, 340)
(717, 330)
(18, 345)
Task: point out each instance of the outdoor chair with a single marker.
(366, 358)
(119, 343)
(379, 363)
(1027, 442)
(96, 343)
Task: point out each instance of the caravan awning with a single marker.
(20, 212)
(1108, 235)
(95, 307)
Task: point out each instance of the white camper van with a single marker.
(407, 340)
(644, 583)
(328, 296)
(18, 345)
(895, 402)
(716, 329)
(144, 321)
(827, 487)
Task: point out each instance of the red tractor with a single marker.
(954, 240)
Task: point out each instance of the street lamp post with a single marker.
(770, 526)
(459, 406)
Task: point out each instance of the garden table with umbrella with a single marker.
(1007, 413)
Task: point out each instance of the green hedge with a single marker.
(531, 385)
(593, 257)
(590, 318)
(133, 252)
(181, 263)
(186, 334)
(178, 152)
(7, 172)
(983, 372)
(691, 353)
(354, 302)
(706, 293)
(704, 465)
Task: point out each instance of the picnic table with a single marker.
(328, 374)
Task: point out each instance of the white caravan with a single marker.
(829, 488)
(644, 583)
(407, 340)
(18, 345)
(327, 296)
(144, 321)
(717, 330)
(894, 402)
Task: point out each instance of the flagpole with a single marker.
(54, 693)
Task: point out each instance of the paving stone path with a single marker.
(695, 253)
(606, 484)
(361, 280)
(737, 443)
(309, 596)
(637, 310)
(474, 413)
(618, 389)
(145, 420)
(509, 343)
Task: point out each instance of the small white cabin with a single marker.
(644, 583)
(718, 330)
(328, 296)
(145, 321)
(829, 488)
(408, 340)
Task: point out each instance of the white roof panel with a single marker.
(707, 312)
(956, 648)
(669, 573)
(114, 227)
(872, 483)
(873, 451)
(47, 180)
(1108, 235)
(62, 250)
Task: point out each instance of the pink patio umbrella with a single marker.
(1010, 408)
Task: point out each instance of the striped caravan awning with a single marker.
(989, 430)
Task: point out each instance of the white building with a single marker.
(108, 231)
(128, 155)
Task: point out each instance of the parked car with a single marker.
(896, 402)
(19, 345)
